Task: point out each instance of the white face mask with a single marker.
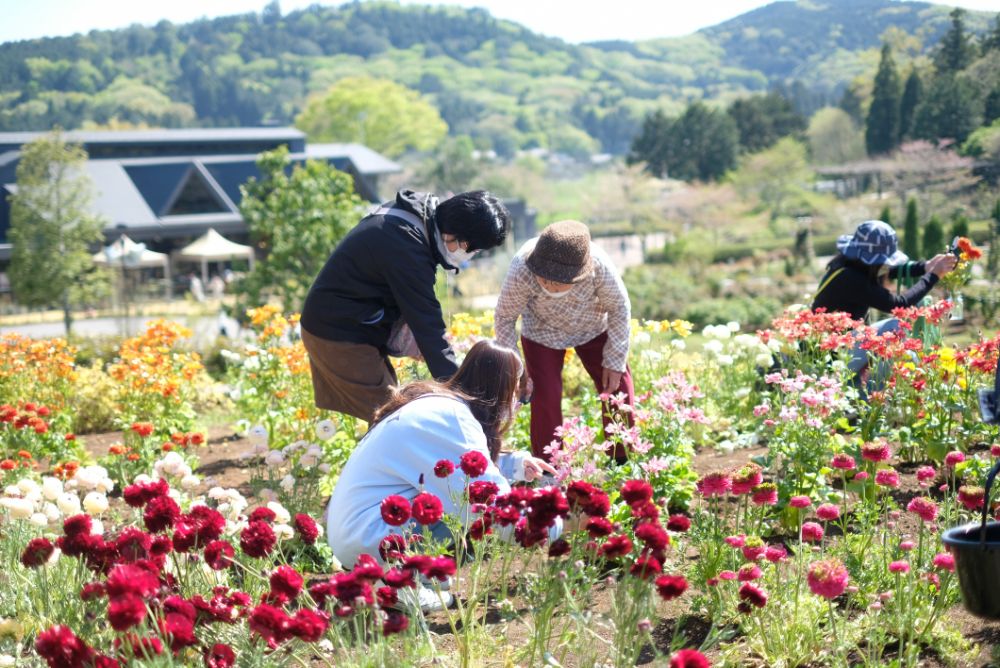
(455, 258)
(556, 295)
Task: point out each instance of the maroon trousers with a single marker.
(544, 366)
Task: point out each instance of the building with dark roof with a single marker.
(166, 187)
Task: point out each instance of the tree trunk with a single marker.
(67, 314)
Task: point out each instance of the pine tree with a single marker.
(911, 230)
(882, 125)
(959, 226)
(52, 230)
(991, 41)
(886, 215)
(933, 237)
(950, 109)
(956, 49)
(993, 259)
(913, 92)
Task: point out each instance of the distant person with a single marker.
(568, 294)
(857, 279)
(196, 288)
(421, 424)
(375, 295)
(216, 286)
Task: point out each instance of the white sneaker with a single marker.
(443, 585)
(424, 598)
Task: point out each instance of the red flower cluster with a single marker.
(395, 510)
(474, 463)
(305, 528)
(427, 508)
(258, 539)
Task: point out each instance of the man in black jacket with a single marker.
(380, 281)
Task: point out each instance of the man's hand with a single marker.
(610, 380)
(535, 468)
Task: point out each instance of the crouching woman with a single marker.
(422, 424)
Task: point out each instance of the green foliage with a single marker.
(52, 230)
(933, 237)
(833, 137)
(956, 49)
(883, 123)
(452, 168)
(378, 113)
(764, 119)
(886, 215)
(911, 230)
(959, 226)
(777, 177)
(950, 109)
(700, 144)
(913, 93)
(984, 142)
(296, 219)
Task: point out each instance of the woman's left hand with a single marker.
(535, 468)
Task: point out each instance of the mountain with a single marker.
(494, 80)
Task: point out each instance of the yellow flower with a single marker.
(682, 327)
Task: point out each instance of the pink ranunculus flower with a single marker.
(876, 451)
(899, 566)
(944, 561)
(828, 512)
(924, 507)
(953, 458)
(714, 484)
(887, 478)
(828, 578)
(812, 532)
(800, 502)
(843, 461)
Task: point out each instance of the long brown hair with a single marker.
(487, 381)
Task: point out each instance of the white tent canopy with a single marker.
(213, 247)
(127, 254)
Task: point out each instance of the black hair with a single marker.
(477, 217)
(840, 260)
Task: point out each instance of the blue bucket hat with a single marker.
(874, 242)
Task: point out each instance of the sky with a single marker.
(572, 20)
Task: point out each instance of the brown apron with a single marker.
(352, 378)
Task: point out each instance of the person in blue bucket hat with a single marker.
(857, 279)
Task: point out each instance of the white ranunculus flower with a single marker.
(18, 509)
(51, 512)
(257, 434)
(142, 479)
(733, 326)
(287, 483)
(274, 458)
(7, 660)
(190, 481)
(308, 460)
(283, 531)
(725, 360)
(171, 463)
(267, 494)
(325, 430)
(68, 503)
(325, 468)
(281, 515)
(261, 449)
(95, 503)
(28, 487)
(641, 338)
(97, 527)
(764, 360)
(39, 520)
(217, 493)
(12, 490)
(714, 347)
(51, 488)
(678, 344)
(105, 486)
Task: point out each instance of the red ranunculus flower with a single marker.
(306, 528)
(133, 544)
(599, 526)
(395, 510)
(92, 591)
(482, 491)
(679, 523)
(670, 586)
(395, 622)
(271, 624)
(219, 554)
(646, 567)
(220, 656)
(262, 514)
(142, 428)
(689, 658)
(615, 546)
(258, 539)
(308, 625)
(427, 508)
(131, 580)
(636, 491)
(77, 525)
(126, 611)
(444, 468)
(161, 513)
(286, 581)
(37, 552)
(140, 494)
(474, 463)
(179, 629)
(652, 536)
(60, 647)
(559, 548)
(440, 568)
(392, 547)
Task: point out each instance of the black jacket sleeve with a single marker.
(410, 273)
(885, 300)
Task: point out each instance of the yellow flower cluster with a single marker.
(149, 364)
(681, 328)
(38, 370)
(466, 325)
(270, 323)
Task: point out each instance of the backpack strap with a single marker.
(826, 282)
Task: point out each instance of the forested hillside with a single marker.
(494, 80)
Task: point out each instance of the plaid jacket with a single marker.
(596, 304)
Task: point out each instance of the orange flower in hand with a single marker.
(969, 250)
